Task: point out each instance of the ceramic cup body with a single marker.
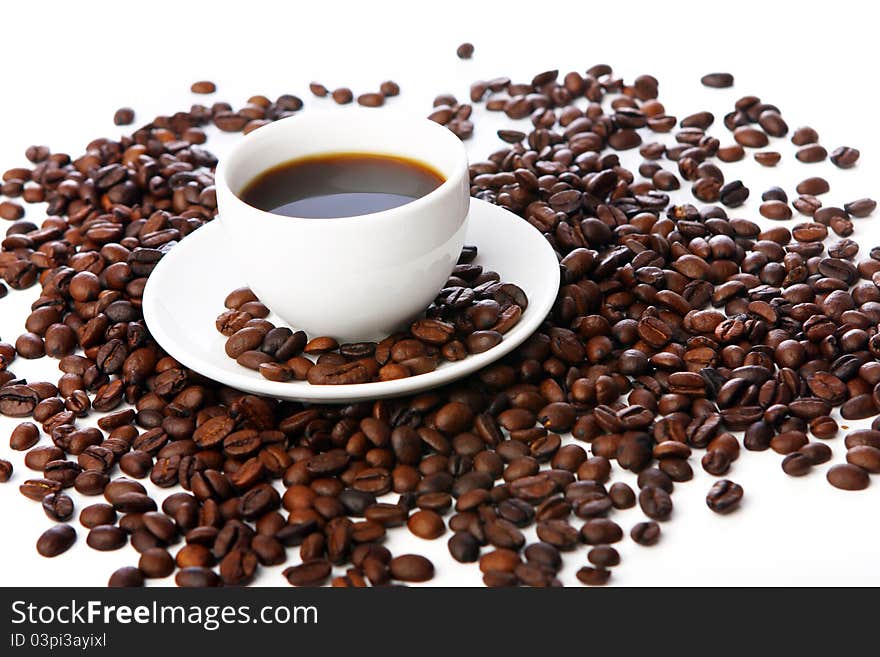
(353, 278)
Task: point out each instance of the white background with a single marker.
(67, 66)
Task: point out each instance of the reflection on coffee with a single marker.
(336, 185)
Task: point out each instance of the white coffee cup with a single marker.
(353, 278)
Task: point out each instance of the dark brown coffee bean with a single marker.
(717, 80)
(768, 158)
(750, 137)
(465, 51)
(847, 476)
(804, 135)
(58, 506)
(845, 157)
(863, 456)
(645, 533)
(464, 548)
(724, 496)
(603, 556)
(593, 576)
(123, 116)
(196, 577)
(813, 186)
(426, 524)
(5, 471)
(622, 496)
(105, 538)
(37, 489)
(156, 563)
(24, 436)
(411, 568)
(655, 503)
(126, 577)
(796, 464)
(811, 153)
(97, 514)
(56, 540)
(861, 207)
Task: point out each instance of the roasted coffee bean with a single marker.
(818, 453)
(105, 538)
(411, 568)
(97, 514)
(645, 533)
(123, 116)
(156, 563)
(24, 436)
(56, 540)
(196, 577)
(126, 577)
(464, 547)
(847, 476)
(593, 576)
(58, 506)
(717, 80)
(768, 158)
(426, 524)
(845, 157)
(813, 186)
(863, 456)
(621, 495)
(811, 153)
(655, 503)
(465, 51)
(603, 556)
(203, 87)
(796, 464)
(724, 496)
(37, 489)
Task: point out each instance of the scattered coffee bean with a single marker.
(203, 87)
(58, 506)
(717, 80)
(593, 576)
(847, 476)
(768, 158)
(56, 540)
(724, 496)
(411, 568)
(645, 533)
(342, 95)
(126, 577)
(5, 471)
(845, 157)
(465, 51)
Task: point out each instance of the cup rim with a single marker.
(459, 171)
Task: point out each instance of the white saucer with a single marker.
(185, 294)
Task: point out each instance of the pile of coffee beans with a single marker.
(470, 315)
(676, 327)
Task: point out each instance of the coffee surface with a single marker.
(337, 185)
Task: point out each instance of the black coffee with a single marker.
(340, 185)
